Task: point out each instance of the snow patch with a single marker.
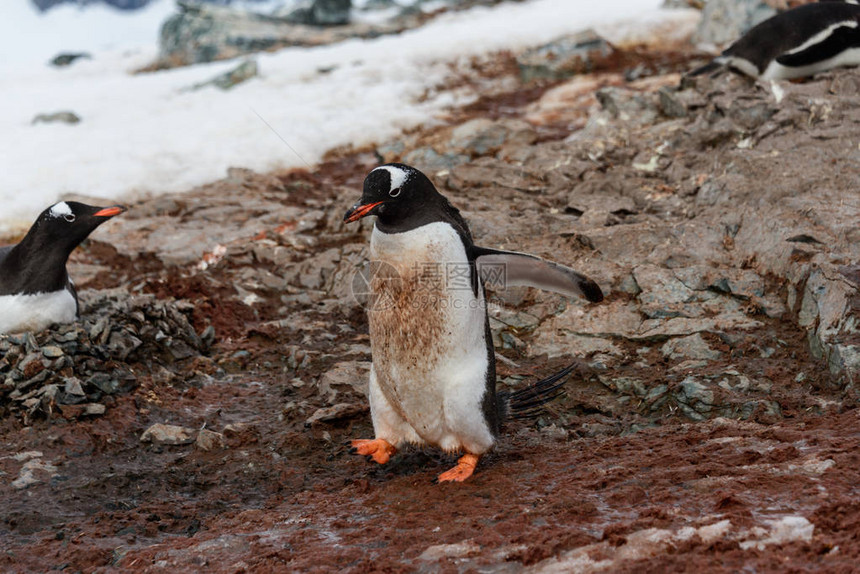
(781, 531)
(148, 133)
(639, 545)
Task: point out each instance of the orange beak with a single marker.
(110, 211)
(359, 211)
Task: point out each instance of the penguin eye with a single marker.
(394, 192)
(70, 217)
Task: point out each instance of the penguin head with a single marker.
(398, 195)
(64, 225)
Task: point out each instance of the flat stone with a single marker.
(65, 117)
(689, 347)
(334, 413)
(567, 56)
(94, 409)
(724, 21)
(52, 351)
(168, 434)
(456, 550)
(346, 376)
(28, 474)
(208, 440)
(241, 73)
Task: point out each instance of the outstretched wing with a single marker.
(509, 269)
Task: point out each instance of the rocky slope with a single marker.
(711, 423)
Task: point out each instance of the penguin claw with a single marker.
(377, 449)
(464, 469)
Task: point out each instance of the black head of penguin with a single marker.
(37, 263)
(402, 198)
(63, 226)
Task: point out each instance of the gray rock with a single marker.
(336, 412)
(827, 312)
(490, 172)
(694, 399)
(663, 295)
(348, 376)
(86, 358)
(205, 33)
(64, 59)
(241, 73)
(65, 117)
(208, 440)
(52, 351)
(697, 4)
(724, 21)
(689, 347)
(628, 105)
(481, 136)
(565, 57)
(322, 13)
(429, 160)
(32, 470)
(457, 550)
(74, 391)
(94, 409)
(670, 104)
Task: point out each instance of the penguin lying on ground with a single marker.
(35, 289)
(796, 43)
(433, 377)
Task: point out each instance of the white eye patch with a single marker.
(398, 177)
(61, 209)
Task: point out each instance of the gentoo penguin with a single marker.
(433, 377)
(796, 43)
(35, 289)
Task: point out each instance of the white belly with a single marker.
(427, 336)
(20, 313)
(776, 71)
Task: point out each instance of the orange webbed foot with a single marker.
(378, 449)
(464, 469)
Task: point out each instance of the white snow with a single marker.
(29, 38)
(781, 531)
(149, 133)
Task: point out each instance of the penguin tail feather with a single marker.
(528, 403)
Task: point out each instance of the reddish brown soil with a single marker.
(283, 497)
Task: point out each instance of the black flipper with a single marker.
(840, 39)
(504, 269)
(711, 66)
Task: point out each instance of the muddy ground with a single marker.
(705, 433)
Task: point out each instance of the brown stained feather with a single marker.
(407, 329)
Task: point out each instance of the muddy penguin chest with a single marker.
(426, 317)
(414, 320)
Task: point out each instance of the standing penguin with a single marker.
(35, 289)
(433, 377)
(796, 43)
